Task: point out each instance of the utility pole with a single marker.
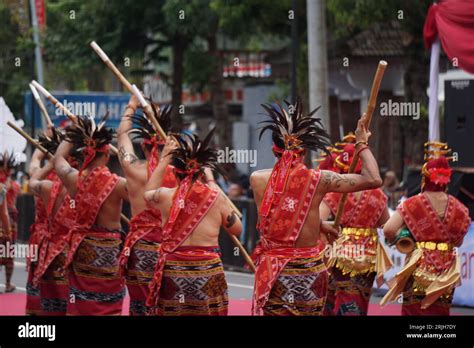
(36, 40)
(317, 59)
(294, 52)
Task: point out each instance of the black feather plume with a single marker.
(296, 124)
(87, 133)
(8, 160)
(51, 143)
(194, 153)
(143, 127)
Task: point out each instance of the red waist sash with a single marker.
(270, 263)
(141, 225)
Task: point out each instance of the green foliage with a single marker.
(14, 45)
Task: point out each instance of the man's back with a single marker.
(309, 234)
(207, 231)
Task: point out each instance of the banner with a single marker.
(41, 13)
(464, 295)
(94, 104)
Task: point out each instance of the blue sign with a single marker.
(464, 295)
(95, 104)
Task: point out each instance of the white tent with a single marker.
(10, 140)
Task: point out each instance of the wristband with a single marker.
(361, 142)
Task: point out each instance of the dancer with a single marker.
(358, 256)
(50, 274)
(189, 277)
(438, 223)
(10, 189)
(290, 250)
(96, 286)
(140, 253)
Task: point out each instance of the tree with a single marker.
(347, 18)
(16, 57)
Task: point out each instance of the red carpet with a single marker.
(14, 304)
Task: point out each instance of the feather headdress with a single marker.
(294, 129)
(193, 155)
(89, 138)
(51, 143)
(8, 161)
(144, 129)
(436, 172)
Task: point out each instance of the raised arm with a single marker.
(369, 178)
(127, 156)
(65, 172)
(153, 187)
(38, 186)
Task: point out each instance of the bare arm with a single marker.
(384, 217)
(230, 220)
(153, 187)
(369, 178)
(324, 211)
(37, 185)
(65, 172)
(392, 226)
(127, 156)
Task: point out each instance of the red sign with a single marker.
(40, 13)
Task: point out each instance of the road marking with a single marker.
(18, 263)
(17, 288)
(250, 287)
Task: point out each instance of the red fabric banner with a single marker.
(453, 22)
(41, 13)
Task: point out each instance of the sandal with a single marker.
(11, 288)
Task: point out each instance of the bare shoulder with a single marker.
(260, 176)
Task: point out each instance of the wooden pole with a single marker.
(43, 110)
(64, 109)
(149, 114)
(30, 140)
(127, 85)
(370, 110)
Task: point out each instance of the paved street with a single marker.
(240, 290)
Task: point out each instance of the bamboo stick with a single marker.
(149, 114)
(42, 108)
(370, 110)
(30, 139)
(128, 86)
(64, 109)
